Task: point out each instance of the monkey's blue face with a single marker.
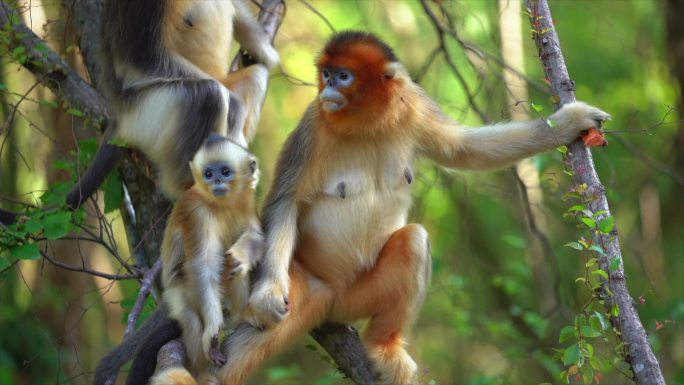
(217, 176)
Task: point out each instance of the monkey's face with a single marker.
(356, 83)
(335, 81)
(217, 176)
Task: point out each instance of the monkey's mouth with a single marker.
(332, 106)
(220, 191)
(332, 101)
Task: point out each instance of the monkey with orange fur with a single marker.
(337, 244)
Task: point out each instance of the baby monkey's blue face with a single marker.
(217, 176)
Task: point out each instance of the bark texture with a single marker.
(640, 357)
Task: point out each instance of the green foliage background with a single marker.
(489, 316)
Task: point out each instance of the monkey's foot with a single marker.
(393, 365)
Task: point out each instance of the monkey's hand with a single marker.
(268, 303)
(573, 119)
(237, 263)
(214, 353)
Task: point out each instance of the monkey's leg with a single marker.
(248, 347)
(249, 84)
(391, 294)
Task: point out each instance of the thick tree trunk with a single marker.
(643, 362)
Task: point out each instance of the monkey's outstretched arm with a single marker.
(494, 146)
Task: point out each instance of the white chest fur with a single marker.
(361, 200)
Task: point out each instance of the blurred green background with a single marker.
(498, 299)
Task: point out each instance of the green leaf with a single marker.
(41, 48)
(26, 251)
(57, 224)
(574, 245)
(576, 208)
(590, 223)
(598, 321)
(4, 263)
(562, 149)
(18, 51)
(615, 264)
(606, 225)
(589, 350)
(571, 355)
(34, 225)
(75, 112)
(597, 249)
(113, 190)
(601, 273)
(566, 333)
(3, 86)
(615, 311)
(590, 332)
(537, 107)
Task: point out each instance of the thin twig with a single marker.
(145, 288)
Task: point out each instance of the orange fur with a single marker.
(337, 243)
(173, 376)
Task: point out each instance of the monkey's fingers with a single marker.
(215, 355)
(236, 269)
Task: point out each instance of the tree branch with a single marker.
(54, 73)
(641, 359)
(341, 342)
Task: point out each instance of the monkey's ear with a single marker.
(391, 70)
(254, 170)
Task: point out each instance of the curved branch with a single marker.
(643, 362)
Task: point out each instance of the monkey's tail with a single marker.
(108, 368)
(145, 360)
(107, 158)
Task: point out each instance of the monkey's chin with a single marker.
(332, 106)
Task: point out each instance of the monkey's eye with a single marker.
(326, 75)
(344, 78)
(208, 174)
(225, 171)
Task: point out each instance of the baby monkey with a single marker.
(212, 240)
